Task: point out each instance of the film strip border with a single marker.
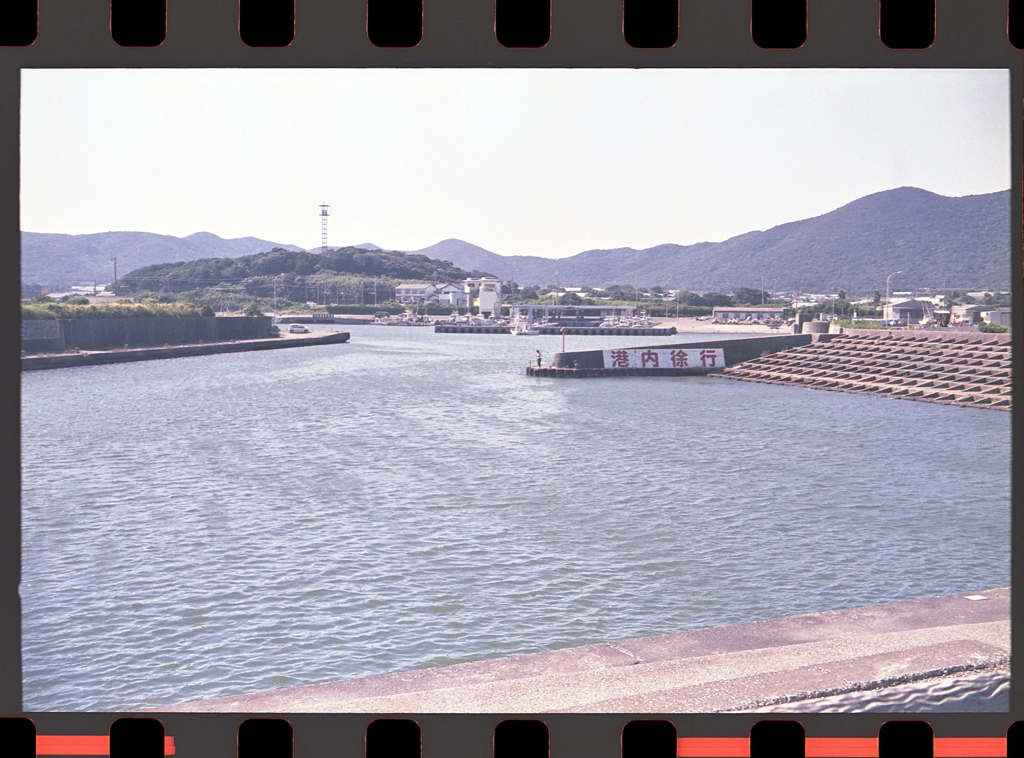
(528, 738)
(775, 24)
(780, 25)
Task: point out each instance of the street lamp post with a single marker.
(887, 286)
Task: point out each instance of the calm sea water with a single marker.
(225, 524)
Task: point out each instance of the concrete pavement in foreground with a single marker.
(732, 668)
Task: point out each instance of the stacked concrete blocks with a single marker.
(962, 370)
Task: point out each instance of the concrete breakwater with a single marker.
(955, 368)
(106, 357)
(968, 369)
(858, 653)
(733, 351)
(58, 335)
(587, 373)
(626, 331)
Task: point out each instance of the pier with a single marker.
(586, 373)
(731, 351)
(954, 647)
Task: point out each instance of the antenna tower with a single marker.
(325, 211)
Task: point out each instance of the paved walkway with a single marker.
(732, 668)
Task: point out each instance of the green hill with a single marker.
(290, 269)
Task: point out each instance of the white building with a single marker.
(484, 294)
(416, 292)
(452, 294)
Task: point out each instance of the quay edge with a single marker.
(857, 655)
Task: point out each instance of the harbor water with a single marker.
(224, 524)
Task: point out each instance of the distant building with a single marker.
(999, 316)
(452, 294)
(971, 315)
(744, 312)
(909, 311)
(416, 292)
(484, 294)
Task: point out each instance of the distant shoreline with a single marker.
(692, 325)
(682, 324)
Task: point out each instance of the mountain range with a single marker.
(932, 240)
(58, 261)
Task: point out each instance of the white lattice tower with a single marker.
(325, 211)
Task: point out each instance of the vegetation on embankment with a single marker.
(988, 328)
(46, 309)
(860, 323)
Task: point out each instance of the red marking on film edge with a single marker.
(82, 744)
(841, 747)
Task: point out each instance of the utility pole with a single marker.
(115, 274)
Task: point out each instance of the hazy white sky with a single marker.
(521, 162)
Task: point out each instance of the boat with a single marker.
(409, 319)
(297, 329)
(524, 328)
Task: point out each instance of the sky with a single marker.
(547, 162)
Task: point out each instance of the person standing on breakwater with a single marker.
(538, 359)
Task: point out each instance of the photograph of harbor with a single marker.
(298, 431)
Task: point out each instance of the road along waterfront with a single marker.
(225, 524)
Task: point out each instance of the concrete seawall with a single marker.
(968, 369)
(736, 349)
(627, 331)
(853, 656)
(106, 357)
(58, 335)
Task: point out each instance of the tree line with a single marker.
(293, 275)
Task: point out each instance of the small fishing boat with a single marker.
(524, 328)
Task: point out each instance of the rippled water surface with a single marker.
(217, 525)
